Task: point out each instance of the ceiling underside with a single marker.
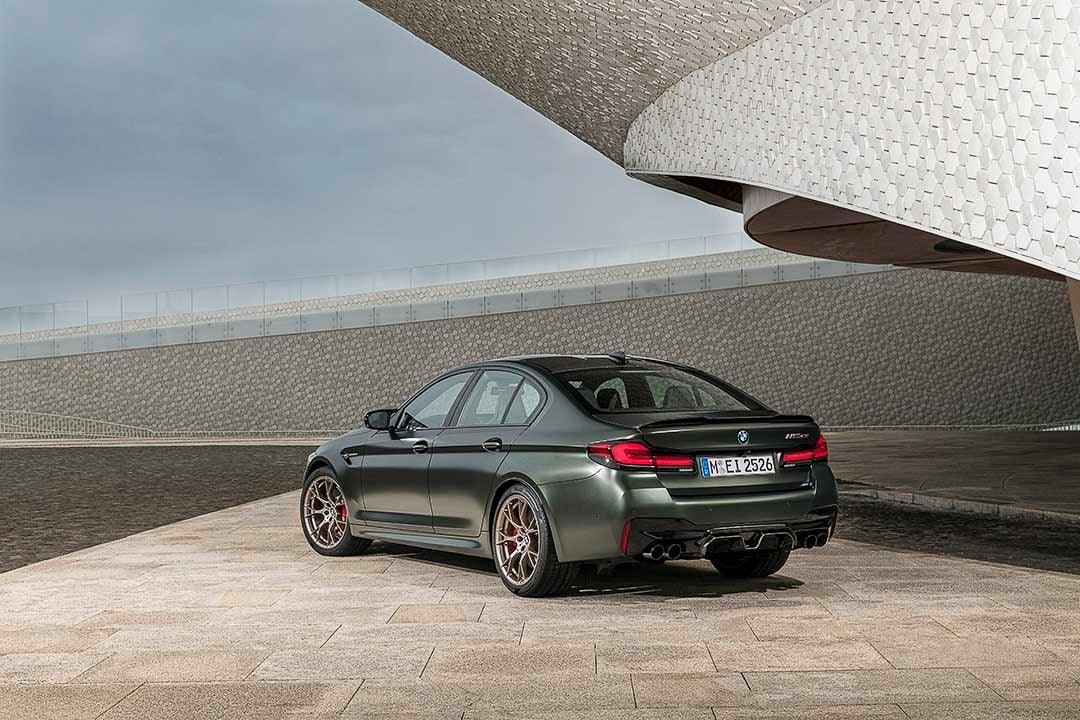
(590, 65)
(808, 227)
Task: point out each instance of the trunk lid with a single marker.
(719, 436)
(723, 434)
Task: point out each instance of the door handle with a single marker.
(492, 444)
(420, 447)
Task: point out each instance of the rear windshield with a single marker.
(647, 387)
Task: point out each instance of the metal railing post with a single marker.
(337, 303)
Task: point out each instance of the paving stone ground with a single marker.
(110, 490)
(230, 615)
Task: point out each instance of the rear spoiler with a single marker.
(726, 419)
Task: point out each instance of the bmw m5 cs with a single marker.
(546, 463)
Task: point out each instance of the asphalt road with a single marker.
(1026, 543)
(58, 500)
(1038, 470)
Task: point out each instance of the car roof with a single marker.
(552, 363)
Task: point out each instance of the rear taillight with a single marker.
(820, 451)
(638, 456)
(681, 463)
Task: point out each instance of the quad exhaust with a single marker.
(737, 539)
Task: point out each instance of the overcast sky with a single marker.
(152, 144)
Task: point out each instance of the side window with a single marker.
(489, 398)
(430, 408)
(525, 404)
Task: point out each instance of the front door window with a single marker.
(431, 407)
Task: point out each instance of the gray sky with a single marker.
(153, 144)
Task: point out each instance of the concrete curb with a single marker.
(935, 502)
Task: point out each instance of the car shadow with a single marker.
(435, 558)
(681, 579)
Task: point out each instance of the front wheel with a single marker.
(754, 564)
(524, 549)
(325, 517)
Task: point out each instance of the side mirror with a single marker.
(379, 419)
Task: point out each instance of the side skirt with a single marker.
(477, 547)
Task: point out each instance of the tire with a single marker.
(327, 533)
(755, 564)
(536, 572)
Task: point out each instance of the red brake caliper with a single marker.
(344, 512)
(510, 543)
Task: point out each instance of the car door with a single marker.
(466, 457)
(394, 470)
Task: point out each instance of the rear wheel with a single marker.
(754, 564)
(325, 517)
(524, 549)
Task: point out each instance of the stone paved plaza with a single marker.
(230, 615)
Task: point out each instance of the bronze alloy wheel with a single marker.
(517, 540)
(326, 518)
(524, 547)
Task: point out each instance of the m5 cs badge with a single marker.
(797, 436)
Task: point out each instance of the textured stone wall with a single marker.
(905, 347)
(958, 118)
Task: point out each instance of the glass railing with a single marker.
(432, 292)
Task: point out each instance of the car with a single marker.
(548, 463)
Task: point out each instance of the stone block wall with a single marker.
(896, 348)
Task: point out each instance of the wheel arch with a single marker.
(316, 463)
(500, 487)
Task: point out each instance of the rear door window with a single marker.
(489, 399)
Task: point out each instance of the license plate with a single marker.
(748, 465)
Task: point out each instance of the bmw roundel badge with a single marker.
(744, 437)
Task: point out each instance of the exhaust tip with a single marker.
(822, 538)
(673, 552)
(656, 552)
(809, 542)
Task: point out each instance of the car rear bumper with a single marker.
(655, 537)
(617, 514)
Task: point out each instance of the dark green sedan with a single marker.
(546, 463)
